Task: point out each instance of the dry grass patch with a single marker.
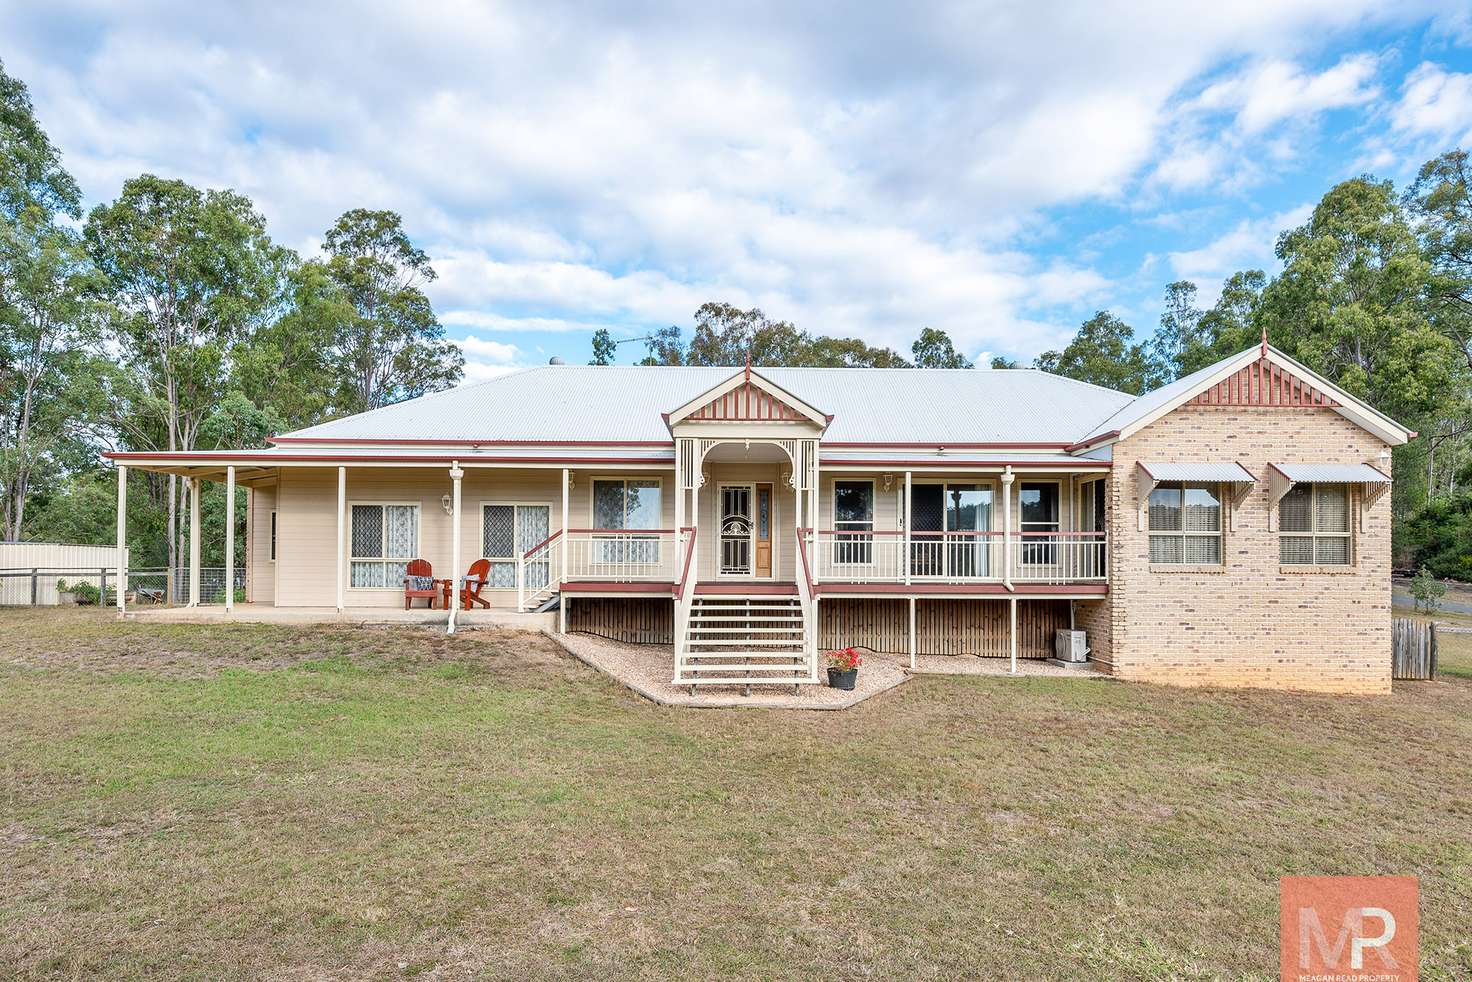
(229, 801)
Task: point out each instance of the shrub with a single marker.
(1427, 591)
(87, 593)
(1439, 537)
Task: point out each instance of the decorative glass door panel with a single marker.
(763, 535)
(736, 529)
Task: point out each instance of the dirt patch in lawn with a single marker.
(93, 640)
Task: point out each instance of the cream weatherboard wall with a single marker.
(1250, 621)
(260, 568)
(306, 539)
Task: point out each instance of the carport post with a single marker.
(194, 542)
(229, 538)
(122, 536)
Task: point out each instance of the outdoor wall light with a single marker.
(446, 504)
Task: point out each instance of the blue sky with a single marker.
(997, 170)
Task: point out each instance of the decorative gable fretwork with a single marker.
(1263, 384)
(746, 402)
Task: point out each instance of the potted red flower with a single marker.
(843, 668)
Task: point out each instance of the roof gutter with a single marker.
(1091, 441)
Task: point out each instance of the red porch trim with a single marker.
(165, 457)
(597, 586)
(950, 589)
(369, 441)
(1083, 463)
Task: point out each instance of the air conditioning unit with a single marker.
(1071, 647)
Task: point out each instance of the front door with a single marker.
(763, 530)
(736, 530)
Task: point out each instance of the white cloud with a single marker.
(1273, 91)
(1249, 244)
(1227, 135)
(867, 174)
(491, 351)
(1435, 102)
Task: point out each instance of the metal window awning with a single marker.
(1152, 473)
(1282, 477)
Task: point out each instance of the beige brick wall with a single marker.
(1250, 623)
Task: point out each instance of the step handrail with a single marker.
(689, 555)
(545, 542)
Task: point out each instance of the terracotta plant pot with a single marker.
(843, 679)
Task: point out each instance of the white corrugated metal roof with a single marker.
(1229, 472)
(1333, 473)
(626, 403)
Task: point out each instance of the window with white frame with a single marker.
(273, 536)
(627, 504)
(1314, 526)
(1186, 524)
(385, 537)
(511, 530)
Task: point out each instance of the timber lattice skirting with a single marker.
(635, 620)
(942, 627)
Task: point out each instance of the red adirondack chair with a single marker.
(419, 583)
(470, 587)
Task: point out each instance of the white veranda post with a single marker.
(1012, 634)
(342, 543)
(905, 518)
(194, 542)
(122, 536)
(1007, 478)
(455, 582)
(229, 539)
(562, 565)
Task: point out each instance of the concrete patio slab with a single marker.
(265, 614)
(976, 665)
(647, 668)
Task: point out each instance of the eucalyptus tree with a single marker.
(389, 344)
(44, 300)
(1105, 352)
(191, 274)
(933, 349)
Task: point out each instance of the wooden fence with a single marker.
(1413, 646)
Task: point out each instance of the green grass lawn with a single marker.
(248, 801)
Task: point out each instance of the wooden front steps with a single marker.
(744, 639)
